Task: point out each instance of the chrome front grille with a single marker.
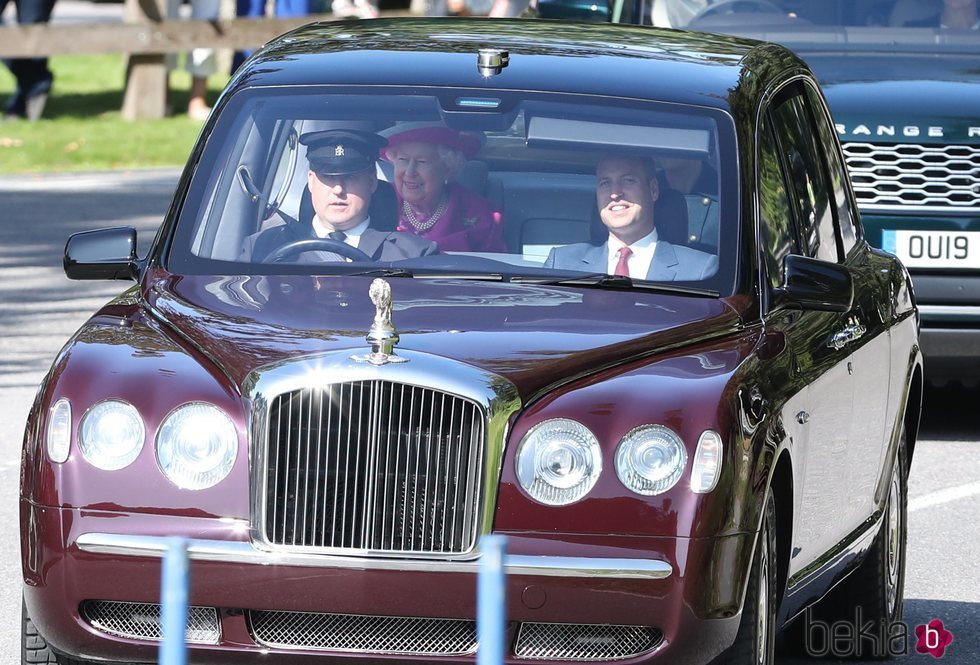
(373, 466)
(942, 177)
(142, 621)
(363, 634)
(584, 642)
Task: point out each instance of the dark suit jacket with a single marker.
(379, 245)
(670, 262)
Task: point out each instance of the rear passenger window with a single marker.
(802, 156)
(775, 212)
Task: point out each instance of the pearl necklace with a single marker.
(429, 223)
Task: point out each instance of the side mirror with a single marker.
(102, 254)
(812, 284)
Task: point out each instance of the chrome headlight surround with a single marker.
(558, 461)
(111, 434)
(650, 459)
(196, 446)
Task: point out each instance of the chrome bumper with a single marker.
(246, 553)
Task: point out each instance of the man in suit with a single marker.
(342, 178)
(626, 189)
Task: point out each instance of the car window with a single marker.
(801, 154)
(835, 169)
(518, 184)
(776, 223)
(798, 14)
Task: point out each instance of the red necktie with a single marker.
(622, 268)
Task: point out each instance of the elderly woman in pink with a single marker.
(428, 157)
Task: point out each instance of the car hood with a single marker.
(901, 97)
(533, 335)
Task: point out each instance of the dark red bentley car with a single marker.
(602, 290)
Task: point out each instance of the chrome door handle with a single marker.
(850, 333)
(839, 339)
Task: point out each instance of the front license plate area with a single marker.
(934, 249)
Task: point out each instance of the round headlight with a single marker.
(197, 445)
(111, 434)
(650, 459)
(558, 461)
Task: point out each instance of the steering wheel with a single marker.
(722, 5)
(315, 245)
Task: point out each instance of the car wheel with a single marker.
(33, 649)
(874, 593)
(755, 641)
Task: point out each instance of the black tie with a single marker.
(339, 236)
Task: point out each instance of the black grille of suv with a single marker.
(373, 466)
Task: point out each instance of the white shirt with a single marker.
(640, 259)
(353, 235)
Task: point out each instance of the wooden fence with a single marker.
(147, 36)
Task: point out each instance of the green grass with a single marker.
(82, 128)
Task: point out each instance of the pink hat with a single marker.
(431, 132)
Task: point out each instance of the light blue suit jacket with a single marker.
(670, 262)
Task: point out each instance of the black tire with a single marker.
(874, 593)
(34, 650)
(755, 641)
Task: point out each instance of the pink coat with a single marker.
(469, 224)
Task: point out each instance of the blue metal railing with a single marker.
(491, 602)
(175, 588)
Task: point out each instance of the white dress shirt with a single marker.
(639, 261)
(353, 235)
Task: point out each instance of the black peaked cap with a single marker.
(342, 151)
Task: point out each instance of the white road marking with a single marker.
(944, 496)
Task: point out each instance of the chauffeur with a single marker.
(342, 179)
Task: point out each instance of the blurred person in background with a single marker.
(354, 8)
(201, 62)
(34, 79)
(281, 9)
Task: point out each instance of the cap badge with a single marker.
(338, 151)
(382, 336)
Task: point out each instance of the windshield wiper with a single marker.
(404, 272)
(606, 281)
(381, 272)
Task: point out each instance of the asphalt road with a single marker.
(40, 308)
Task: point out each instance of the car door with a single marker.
(813, 338)
(865, 335)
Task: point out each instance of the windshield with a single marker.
(745, 15)
(479, 184)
